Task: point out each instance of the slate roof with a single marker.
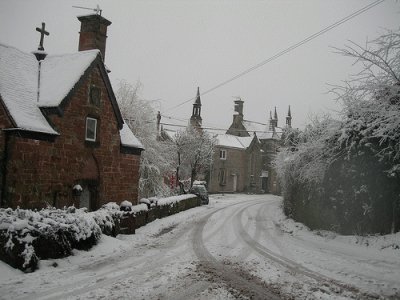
(262, 130)
(18, 90)
(19, 73)
(233, 141)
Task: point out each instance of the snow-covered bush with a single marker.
(26, 235)
(345, 173)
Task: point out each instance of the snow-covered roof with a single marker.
(128, 139)
(233, 141)
(18, 89)
(60, 73)
(19, 83)
(262, 130)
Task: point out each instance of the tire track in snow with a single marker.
(98, 274)
(224, 272)
(285, 262)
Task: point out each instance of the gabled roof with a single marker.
(18, 90)
(128, 139)
(262, 130)
(233, 141)
(60, 73)
(25, 96)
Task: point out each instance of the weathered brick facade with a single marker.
(42, 172)
(81, 153)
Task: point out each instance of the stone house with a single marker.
(62, 137)
(236, 165)
(243, 156)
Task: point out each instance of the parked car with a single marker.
(201, 192)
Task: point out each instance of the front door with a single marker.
(234, 182)
(84, 200)
(264, 184)
(88, 196)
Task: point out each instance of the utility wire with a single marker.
(216, 129)
(287, 50)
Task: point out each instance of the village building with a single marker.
(243, 155)
(62, 137)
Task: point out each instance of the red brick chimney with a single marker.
(93, 33)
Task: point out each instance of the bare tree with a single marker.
(157, 159)
(194, 150)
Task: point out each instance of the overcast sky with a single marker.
(174, 46)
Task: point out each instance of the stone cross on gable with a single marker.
(42, 33)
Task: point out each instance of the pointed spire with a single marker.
(289, 119)
(195, 119)
(198, 101)
(273, 121)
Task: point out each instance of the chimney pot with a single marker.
(93, 34)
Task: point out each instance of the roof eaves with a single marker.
(7, 112)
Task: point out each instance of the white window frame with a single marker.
(89, 119)
(222, 154)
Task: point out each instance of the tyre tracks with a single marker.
(208, 263)
(289, 264)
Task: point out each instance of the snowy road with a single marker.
(239, 246)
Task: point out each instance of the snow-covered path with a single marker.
(238, 246)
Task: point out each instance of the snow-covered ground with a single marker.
(238, 246)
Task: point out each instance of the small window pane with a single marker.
(91, 127)
(222, 154)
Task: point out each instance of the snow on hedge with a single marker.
(174, 199)
(24, 231)
(27, 235)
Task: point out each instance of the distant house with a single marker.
(63, 140)
(243, 156)
(236, 164)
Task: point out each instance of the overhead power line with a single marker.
(287, 50)
(216, 128)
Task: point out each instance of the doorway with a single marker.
(88, 197)
(234, 186)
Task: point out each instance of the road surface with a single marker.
(237, 247)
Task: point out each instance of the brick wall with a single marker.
(42, 172)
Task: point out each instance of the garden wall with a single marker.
(27, 236)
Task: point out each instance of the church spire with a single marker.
(271, 122)
(198, 101)
(289, 119)
(195, 119)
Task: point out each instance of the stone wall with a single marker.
(144, 217)
(235, 163)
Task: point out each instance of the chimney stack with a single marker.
(93, 33)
